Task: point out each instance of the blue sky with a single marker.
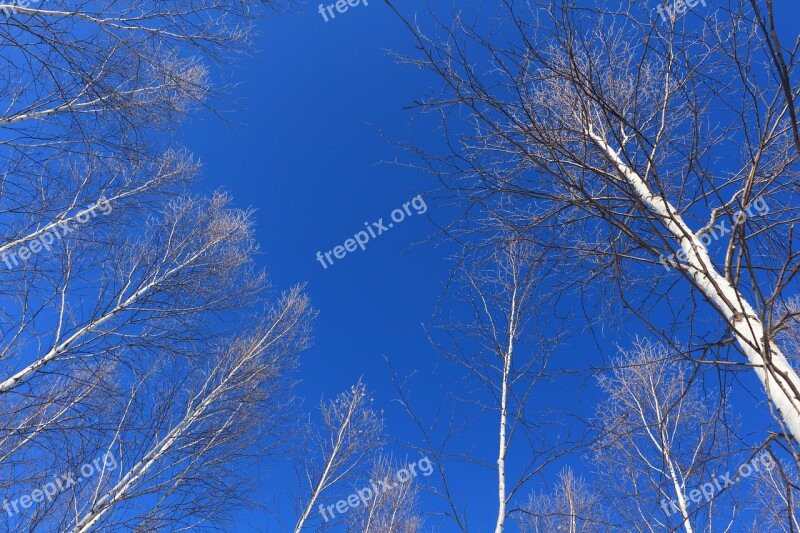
(305, 147)
(302, 145)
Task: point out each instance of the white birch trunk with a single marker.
(503, 448)
(356, 433)
(106, 502)
(779, 379)
(683, 506)
(323, 480)
(501, 453)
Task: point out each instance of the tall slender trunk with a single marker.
(503, 447)
(664, 446)
(683, 505)
(326, 473)
(573, 519)
(501, 455)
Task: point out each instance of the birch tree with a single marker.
(388, 511)
(128, 302)
(337, 450)
(775, 503)
(498, 342)
(648, 152)
(572, 507)
(661, 441)
(219, 417)
(125, 358)
(93, 94)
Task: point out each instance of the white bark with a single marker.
(323, 481)
(779, 379)
(354, 430)
(184, 259)
(661, 434)
(503, 446)
(502, 289)
(225, 395)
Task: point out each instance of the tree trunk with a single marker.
(503, 448)
(779, 379)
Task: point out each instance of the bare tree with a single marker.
(499, 285)
(94, 92)
(125, 298)
(187, 263)
(84, 77)
(388, 511)
(223, 415)
(124, 357)
(493, 332)
(350, 431)
(641, 149)
(661, 440)
(775, 502)
(572, 507)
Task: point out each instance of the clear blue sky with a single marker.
(303, 147)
